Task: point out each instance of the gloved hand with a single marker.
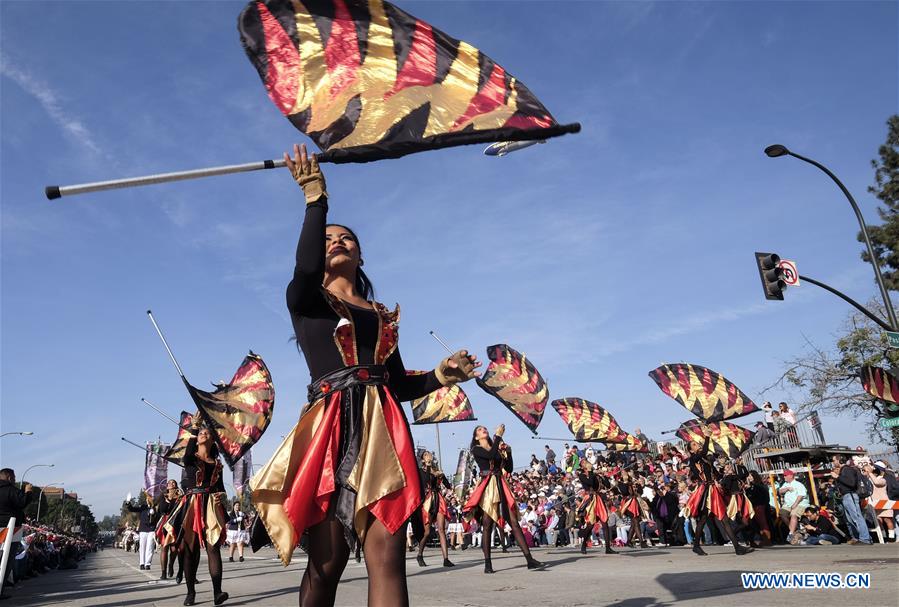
(306, 172)
(195, 423)
(457, 368)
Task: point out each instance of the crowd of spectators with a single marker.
(34, 549)
(549, 494)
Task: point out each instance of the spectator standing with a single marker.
(848, 479)
(550, 456)
(768, 410)
(763, 434)
(876, 474)
(12, 504)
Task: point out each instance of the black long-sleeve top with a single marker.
(431, 481)
(200, 474)
(701, 469)
(314, 320)
(508, 461)
(589, 481)
(12, 503)
(147, 517)
(164, 505)
(758, 495)
(488, 460)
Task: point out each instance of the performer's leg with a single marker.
(240, 550)
(190, 548)
(328, 554)
(231, 548)
(421, 545)
(728, 531)
(697, 534)
(441, 534)
(214, 558)
(386, 565)
(607, 535)
(519, 539)
(487, 541)
(164, 561)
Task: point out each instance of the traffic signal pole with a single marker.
(848, 300)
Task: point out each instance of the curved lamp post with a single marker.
(777, 150)
(34, 466)
(19, 433)
(37, 518)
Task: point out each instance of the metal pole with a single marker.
(848, 300)
(166, 344)
(32, 467)
(442, 343)
(56, 191)
(160, 411)
(439, 451)
(891, 313)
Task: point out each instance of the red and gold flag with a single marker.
(446, 404)
(880, 384)
(727, 439)
(516, 383)
(368, 81)
(630, 443)
(238, 413)
(175, 453)
(703, 392)
(588, 421)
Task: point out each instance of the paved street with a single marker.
(635, 578)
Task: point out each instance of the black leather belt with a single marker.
(345, 377)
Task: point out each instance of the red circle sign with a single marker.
(791, 274)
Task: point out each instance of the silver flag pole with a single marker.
(58, 191)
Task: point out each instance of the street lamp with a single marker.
(19, 433)
(777, 150)
(35, 466)
(37, 518)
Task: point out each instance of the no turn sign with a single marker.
(791, 273)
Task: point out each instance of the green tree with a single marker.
(827, 379)
(885, 237)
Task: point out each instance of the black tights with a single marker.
(725, 527)
(385, 560)
(441, 534)
(635, 532)
(190, 550)
(167, 557)
(487, 536)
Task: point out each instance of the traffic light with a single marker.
(771, 275)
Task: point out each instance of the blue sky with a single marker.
(600, 255)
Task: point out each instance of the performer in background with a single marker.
(168, 549)
(199, 520)
(593, 507)
(707, 500)
(237, 531)
(433, 508)
(146, 530)
(492, 496)
(347, 472)
(634, 506)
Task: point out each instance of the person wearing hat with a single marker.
(794, 501)
(763, 433)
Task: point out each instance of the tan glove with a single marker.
(457, 368)
(307, 174)
(195, 423)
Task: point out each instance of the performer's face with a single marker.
(480, 432)
(341, 249)
(203, 437)
(427, 458)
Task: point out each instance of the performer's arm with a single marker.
(409, 387)
(190, 451)
(445, 482)
(304, 290)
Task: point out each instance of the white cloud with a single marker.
(49, 100)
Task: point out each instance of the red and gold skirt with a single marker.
(738, 506)
(707, 499)
(494, 498)
(433, 504)
(161, 535)
(634, 506)
(197, 512)
(351, 451)
(594, 509)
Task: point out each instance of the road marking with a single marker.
(143, 572)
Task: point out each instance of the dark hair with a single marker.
(474, 437)
(362, 283)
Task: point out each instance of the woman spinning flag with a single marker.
(347, 473)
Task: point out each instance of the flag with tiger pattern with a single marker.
(630, 443)
(238, 413)
(446, 404)
(726, 439)
(176, 451)
(588, 421)
(705, 393)
(516, 383)
(883, 385)
(367, 81)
